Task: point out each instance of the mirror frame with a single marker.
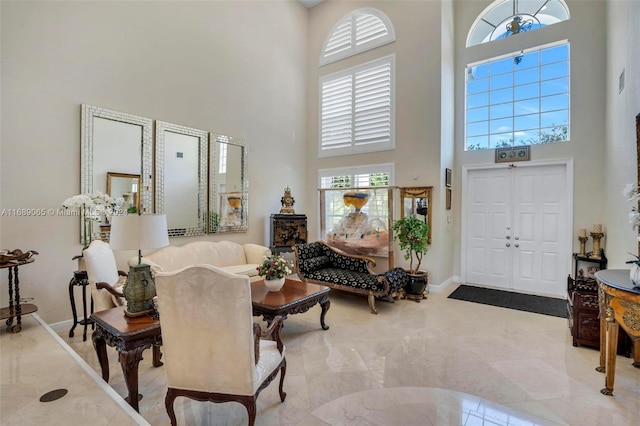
(111, 175)
(88, 114)
(161, 128)
(414, 192)
(214, 197)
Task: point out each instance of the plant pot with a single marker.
(274, 285)
(634, 274)
(417, 283)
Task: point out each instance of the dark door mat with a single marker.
(507, 299)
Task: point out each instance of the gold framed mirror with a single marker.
(124, 188)
(417, 200)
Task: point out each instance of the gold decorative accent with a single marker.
(631, 317)
(287, 202)
(583, 241)
(355, 199)
(597, 236)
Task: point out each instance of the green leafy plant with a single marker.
(412, 233)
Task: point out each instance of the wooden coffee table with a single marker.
(295, 297)
(130, 336)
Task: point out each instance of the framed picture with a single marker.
(447, 178)
(511, 154)
(448, 202)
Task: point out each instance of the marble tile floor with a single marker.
(438, 362)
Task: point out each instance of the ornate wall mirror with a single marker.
(417, 200)
(124, 189)
(229, 196)
(181, 178)
(115, 142)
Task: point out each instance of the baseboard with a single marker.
(442, 287)
(62, 325)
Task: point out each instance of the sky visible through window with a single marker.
(520, 99)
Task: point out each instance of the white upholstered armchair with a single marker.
(213, 351)
(105, 280)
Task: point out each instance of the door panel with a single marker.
(526, 209)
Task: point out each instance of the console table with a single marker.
(15, 308)
(619, 303)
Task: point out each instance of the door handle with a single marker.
(508, 245)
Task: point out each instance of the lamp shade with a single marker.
(138, 232)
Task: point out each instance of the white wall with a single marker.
(621, 154)
(236, 68)
(586, 33)
(417, 157)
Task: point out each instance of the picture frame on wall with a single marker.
(447, 178)
(448, 199)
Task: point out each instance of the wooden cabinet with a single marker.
(582, 305)
(287, 230)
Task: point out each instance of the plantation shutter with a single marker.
(369, 28)
(340, 39)
(357, 109)
(373, 105)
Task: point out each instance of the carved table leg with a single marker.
(636, 353)
(157, 355)
(72, 299)
(129, 361)
(612, 346)
(100, 346)
(325, 304)
(603, 344)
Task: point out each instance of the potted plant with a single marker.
(274, 270)
(412, 234)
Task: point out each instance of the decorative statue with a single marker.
(287, 202)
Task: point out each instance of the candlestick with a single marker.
(582, 232)
(597, 236)
(582, 240)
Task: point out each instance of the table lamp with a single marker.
(139, 232)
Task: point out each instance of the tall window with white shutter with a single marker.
(357, 111)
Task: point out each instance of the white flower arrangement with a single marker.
(632, 194)
(91, 208)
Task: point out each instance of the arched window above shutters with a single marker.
(358, 31)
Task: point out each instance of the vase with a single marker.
(274, 284)
(634, 274)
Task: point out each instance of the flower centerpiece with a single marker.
(274, 269)
(90, 208)
(631, 193)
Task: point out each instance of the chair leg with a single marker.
(372, 303)
(251, 410)
(168, 403)
(283, 371)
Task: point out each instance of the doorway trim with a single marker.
(568, 226)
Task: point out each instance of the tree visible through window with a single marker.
(519, 99)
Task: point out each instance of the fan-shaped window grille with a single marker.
(357, 32)
(506, 18)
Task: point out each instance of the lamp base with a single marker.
(139, 290)
(138, 314)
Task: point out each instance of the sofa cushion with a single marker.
(316, 263)
(249, 269)
(359, 280)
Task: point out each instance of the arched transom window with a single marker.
(358, 31)
(506, 18)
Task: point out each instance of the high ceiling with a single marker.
(310, 3)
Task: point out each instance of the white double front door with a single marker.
(516, 233)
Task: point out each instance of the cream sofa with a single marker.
(242, 259)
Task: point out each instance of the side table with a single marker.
(16, 308)
(130, 337)
(80, 279)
